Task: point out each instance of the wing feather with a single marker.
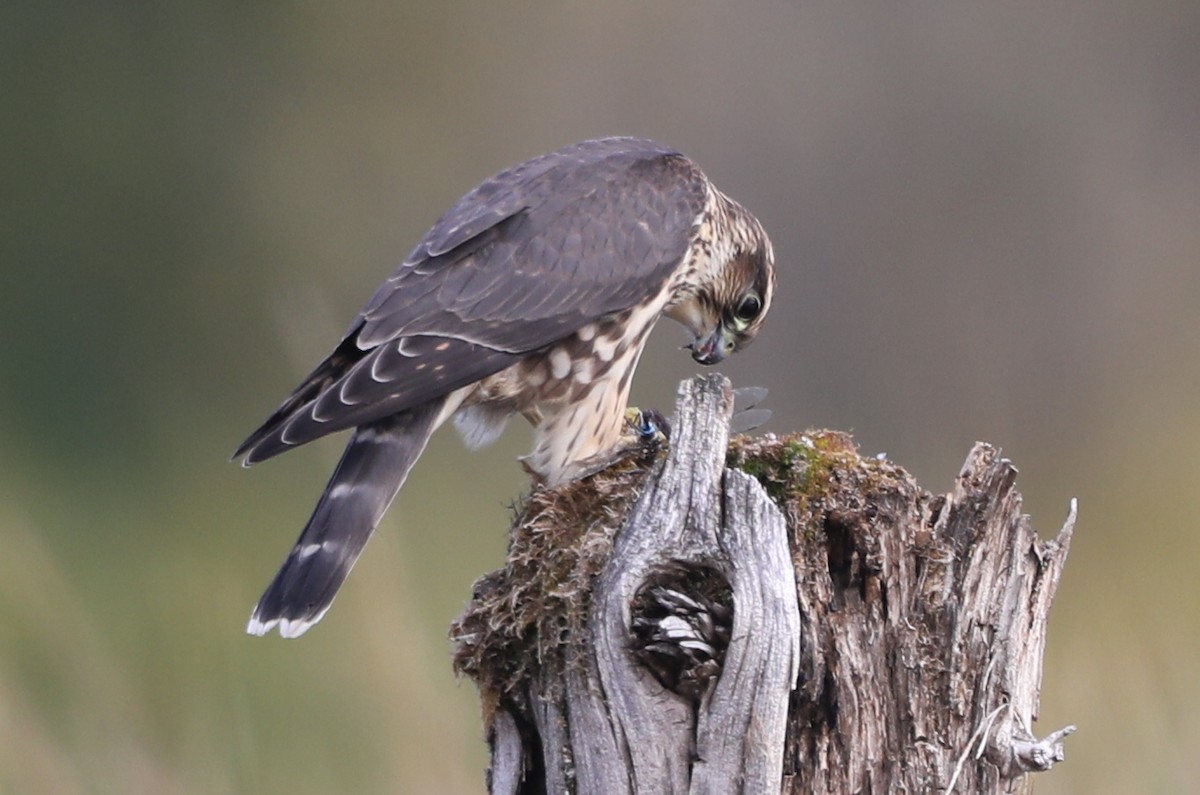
(519, 263)
(613, 217)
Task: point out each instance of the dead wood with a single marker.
(765, 615)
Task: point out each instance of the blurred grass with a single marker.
(145, 682)
(1122, 647)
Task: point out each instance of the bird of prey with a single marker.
(534, 295)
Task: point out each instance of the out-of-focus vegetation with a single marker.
(986, 225)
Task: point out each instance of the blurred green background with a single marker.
(987, 220)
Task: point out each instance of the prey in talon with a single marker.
(533, 295)
(644, 435)
(651, 426)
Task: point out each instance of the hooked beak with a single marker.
(711, 348)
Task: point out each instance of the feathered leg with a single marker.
(373, 467)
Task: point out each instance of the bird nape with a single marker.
(534, 294)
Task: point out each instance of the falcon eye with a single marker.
(746, 311)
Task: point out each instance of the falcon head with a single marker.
(732, 283)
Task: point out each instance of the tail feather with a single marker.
(372, 470)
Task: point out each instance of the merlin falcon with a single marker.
(534, 295)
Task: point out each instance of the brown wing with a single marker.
(520, 262)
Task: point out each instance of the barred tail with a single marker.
(371, 472)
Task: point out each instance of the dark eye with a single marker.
(748, 309)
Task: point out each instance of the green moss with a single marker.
(797, 466)
(810, 474)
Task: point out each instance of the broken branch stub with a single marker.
(765, 615)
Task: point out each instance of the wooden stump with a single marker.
(767, 615)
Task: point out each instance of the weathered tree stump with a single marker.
(767, 615)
